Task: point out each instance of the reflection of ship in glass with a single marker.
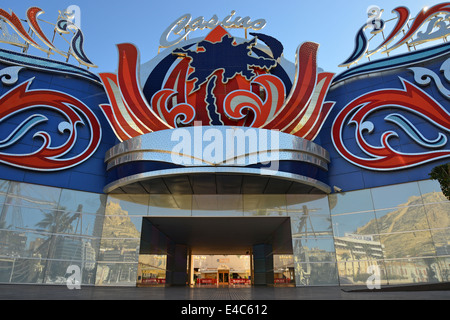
(405, 242)
(312, 262)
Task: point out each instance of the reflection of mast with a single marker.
(303, 224)
(304, 220)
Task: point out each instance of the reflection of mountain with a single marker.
(117, 225)
(404, 231)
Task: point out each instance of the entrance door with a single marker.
(223, 277)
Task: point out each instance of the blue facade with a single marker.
(344, 89)
(87, 176)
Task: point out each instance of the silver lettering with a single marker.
(186, 25)
(176, 27)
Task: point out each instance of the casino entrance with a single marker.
(216, 251)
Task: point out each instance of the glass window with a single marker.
(431, 191)
(310, 204)
(310, 215)
(78, 201)
(121, 227)
(358, 248)
(444, 268)
(4, 185)
(35, 196)
(172, 205)
(441, 240)
(116, 274)
(347, 202)
(313, 250)
(438, 214)
(363, 223)
(264, 205)
(360, 272)
(317, 225)
(58, 272)
(408, 244)
(406, 194)
(19, 270)
(316, 274)
(12, 243)
(127, 204)
(51, 221)
(220, 205)
(413, 270)
(402, 219)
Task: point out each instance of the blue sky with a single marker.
(332, 24)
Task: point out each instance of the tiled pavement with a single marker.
(49, 292)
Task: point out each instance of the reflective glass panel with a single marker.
(264, 205)
(52, 221)
(441, 240)
(316, 274)
(35, 196)
(314, 225)
(402, 219)
(119, 250)
(19, 270)
(120, 274)
(347, 202)
(172, 205)
(127, 204)
(438, 214)
(444, 268)
(362, 272)
(406, 194)
(4, 185)
(311, 204)
(412, 270)
(407, 244)
(58, 272)
(12, 243)
(363, 223)
(431, 191)
(313, 250)
(358, 247)
(77, 201)
(220, 205)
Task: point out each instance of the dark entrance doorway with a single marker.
(179, 238)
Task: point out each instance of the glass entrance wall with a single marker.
(46, 231)
(400, 233)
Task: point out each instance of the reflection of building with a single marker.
(357, 254)
(358, 247)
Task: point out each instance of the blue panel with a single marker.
(87, 176)
(350, 176)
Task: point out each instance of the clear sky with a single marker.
(333, 24)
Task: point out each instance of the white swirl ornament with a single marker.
(423, 76)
